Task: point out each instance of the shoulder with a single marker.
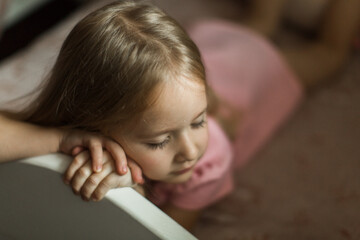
(217, 158)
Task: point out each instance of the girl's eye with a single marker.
(160, 145)
(199, 124)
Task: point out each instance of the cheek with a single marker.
(203, 139)
(154, 168)
(152, 163)
(146, 161)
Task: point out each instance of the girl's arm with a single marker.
(320, 59)
(264, 16)
(20, 140)
(186, 218)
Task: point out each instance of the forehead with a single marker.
(177, 103)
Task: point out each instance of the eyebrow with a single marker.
(161, 132)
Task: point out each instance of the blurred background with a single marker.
(304, 183)
(23, 20)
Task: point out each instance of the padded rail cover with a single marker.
(36, 204)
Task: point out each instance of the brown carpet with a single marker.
(305, 183)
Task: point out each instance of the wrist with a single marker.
(57, 136)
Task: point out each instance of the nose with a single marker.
(188, 150)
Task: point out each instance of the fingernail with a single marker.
(124, 169)
(98, 169)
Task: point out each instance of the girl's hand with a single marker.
(74, 141)
(94, 186)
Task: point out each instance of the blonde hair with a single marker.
(110, 64)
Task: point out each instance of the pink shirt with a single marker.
(211, 179)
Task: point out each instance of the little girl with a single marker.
(130, 72)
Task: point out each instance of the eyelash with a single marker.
(199, 124)
(161, 145)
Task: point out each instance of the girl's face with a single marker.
(172, 135)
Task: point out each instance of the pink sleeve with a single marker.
(212, 177)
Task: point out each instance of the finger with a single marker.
(77, 163)
(81, 176)
(104, 186)
(76, 150)
(136, 172)
(94, 180)
(113, 180)
(96, 150)
(118, 155)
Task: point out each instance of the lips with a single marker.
(185, 170)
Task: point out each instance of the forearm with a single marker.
(264, 16)
(319, 60)
(315, 63)
(20, 139)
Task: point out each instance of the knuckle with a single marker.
(113, 145)
(101, 190)
(82, 172)
(95, 143)
(92, 181)
(104, 185)
(97, 195)
(77, 161)
(107, 155)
